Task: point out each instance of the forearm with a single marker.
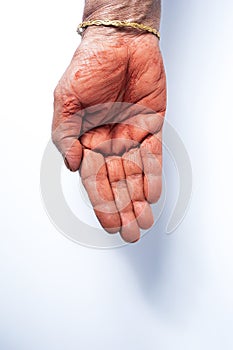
(142, 11)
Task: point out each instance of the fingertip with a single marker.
(72, 165)
(152, 187)
(110, 221)
(130, 232)
(67, 164)
(73, 157)
(112, 230)
(144, 214)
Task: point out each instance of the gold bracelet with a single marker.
(116, 23)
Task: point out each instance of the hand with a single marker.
(121, 157)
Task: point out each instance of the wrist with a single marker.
(146, 12)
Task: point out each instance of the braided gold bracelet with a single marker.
(117, 23)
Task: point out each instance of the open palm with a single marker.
(108, 116)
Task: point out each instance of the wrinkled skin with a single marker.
(120, 159)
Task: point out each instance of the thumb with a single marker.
(67, 122)
(73, 157)
(65, 137)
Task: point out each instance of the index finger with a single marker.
(94, 177)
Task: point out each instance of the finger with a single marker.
(151, 154)
(98, 139)
(138, 123)
(94, 177)
(143, 121)
(67, 122)
(134, 177)
(129, 231)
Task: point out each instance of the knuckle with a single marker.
(55, 137)
(57, 92)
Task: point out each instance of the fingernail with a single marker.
(135, 241)
(67, 164)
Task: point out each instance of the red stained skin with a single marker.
(120, 163)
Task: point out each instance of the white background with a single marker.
(164, 292)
